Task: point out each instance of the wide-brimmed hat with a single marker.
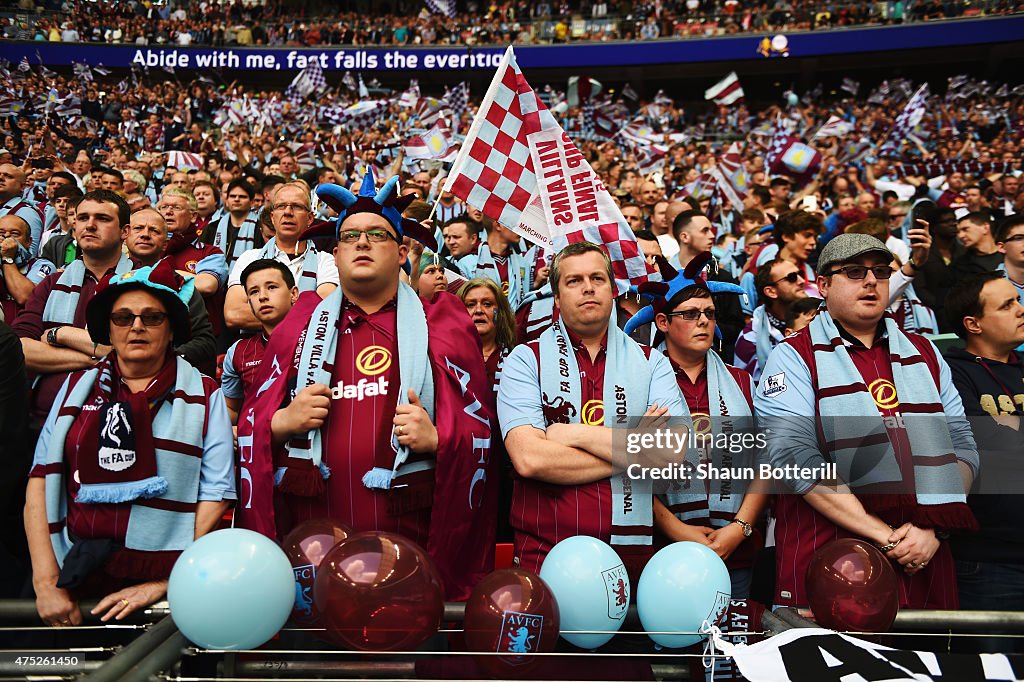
(160, 280)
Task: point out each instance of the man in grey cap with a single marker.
(854, 389)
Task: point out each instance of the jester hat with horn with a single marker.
(674, 282)
(385, 203)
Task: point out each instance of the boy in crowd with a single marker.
(270, 289)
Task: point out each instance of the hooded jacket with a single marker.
(989, 388)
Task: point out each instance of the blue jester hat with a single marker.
(385, 203)
(661, 293)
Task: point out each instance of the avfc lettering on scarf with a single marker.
(520, 633)
(245, 458)
(617, 587)
(481, 438)
(116, 441)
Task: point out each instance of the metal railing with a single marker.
(159, 651)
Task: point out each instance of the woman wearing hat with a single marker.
(135, 459)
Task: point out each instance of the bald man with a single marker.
(12, 186)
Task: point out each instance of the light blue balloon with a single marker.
(231, 589)
(682, 586)
(591, 587)
(792, 100)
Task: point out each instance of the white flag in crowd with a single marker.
(905, 123)
(726, 91)
(834, 127)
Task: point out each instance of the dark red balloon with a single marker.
(379, 592)
(511, 611)
(851, 586)
(306, 546)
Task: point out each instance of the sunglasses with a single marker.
(127, 319)
(861, 271)
(693, 315)
(792, 278)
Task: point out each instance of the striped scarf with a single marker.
(730, 413)
(541, 314)
(63, 300)
(520, 271)
(316, 353)
(626, 387)
(766, 335)
(917, 317)
(243, 240)
(855, 434)
(167, 521)
(306, 281)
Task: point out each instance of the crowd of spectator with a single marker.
(475, 23)
(155, 248)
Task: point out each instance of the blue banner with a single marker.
(753, 46)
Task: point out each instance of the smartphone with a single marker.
(810, 203)
(42, 162)
(919, 213)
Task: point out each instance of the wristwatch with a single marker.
(51, 336)
(8, 261)
(748, 530)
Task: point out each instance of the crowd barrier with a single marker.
(155, 649)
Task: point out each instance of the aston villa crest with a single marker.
(520, 634)
(616, 582)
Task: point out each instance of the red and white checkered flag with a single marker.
(628, 262)
(493, 171)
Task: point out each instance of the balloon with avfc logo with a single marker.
(231, 589)
(306, 545)
(683, 586)
(591, 587)
(512, 613)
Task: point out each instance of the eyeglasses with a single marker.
(897, 216)
(792, 278)
(1013, 239)
(374, 236)
(861, 271)
(693, 315)
(172, 208)
(297, 208)
(126, 319)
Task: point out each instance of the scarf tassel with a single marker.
(134, 564)
(378, 478)
(117, 493)
(303, 480)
